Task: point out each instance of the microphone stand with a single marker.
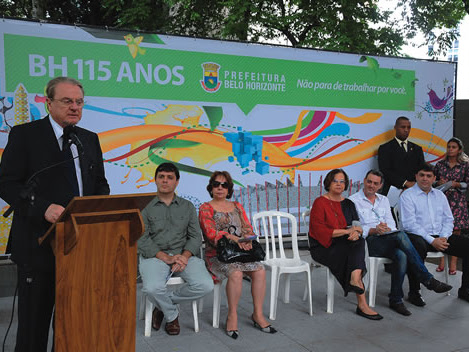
(27, 193)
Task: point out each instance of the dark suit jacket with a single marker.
(32, 147)
(398, 165)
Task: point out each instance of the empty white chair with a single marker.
(279, 263)
(329, 277)
(146, 308)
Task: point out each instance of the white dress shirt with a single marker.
(372, 214)
(405, 145)
(425, 214)
(59, 132)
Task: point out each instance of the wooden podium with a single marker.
(95, 247)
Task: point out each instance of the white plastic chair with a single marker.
(217, 292)
(279, 263)
(373, 265)
(146, 308)
(330, 278)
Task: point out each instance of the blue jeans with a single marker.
(404, 256)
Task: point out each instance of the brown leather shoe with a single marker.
(157, 318)
(173, 328)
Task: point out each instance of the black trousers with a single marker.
(458, 247)
(342, 257)
(36, 299)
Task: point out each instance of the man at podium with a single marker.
(44, 165)
(168, 247)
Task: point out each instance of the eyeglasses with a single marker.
(69, 102)
(339, 181)
(216, 184)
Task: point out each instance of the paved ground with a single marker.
(443, 325)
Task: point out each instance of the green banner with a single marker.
(128, 70)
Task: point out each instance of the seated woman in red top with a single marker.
(335, 239)
(222, 218)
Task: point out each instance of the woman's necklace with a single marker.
(222, 206)
(332, 205)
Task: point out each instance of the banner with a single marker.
(269, 115)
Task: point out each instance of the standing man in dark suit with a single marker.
(399, 158)
(39, 202)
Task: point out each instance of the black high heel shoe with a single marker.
(269, 329)
(233, 334)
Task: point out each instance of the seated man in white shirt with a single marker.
(384, 240)
(426, 217)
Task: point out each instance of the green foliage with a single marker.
(341, 25)
(437, 19)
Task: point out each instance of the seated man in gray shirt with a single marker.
(169, 246)
(384, 240)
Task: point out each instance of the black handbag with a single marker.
(229, 252)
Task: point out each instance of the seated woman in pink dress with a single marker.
(454, 168)
(221, 217)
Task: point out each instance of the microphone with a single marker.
(70, 135)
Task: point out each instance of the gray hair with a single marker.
(50, 89)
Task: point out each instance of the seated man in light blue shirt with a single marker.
(384, 240)
(426, 217)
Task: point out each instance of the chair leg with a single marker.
(305, 293)
(330, 291)
(216, 305)
(310, 294)
(141, 307)
(277, 287)
(286, 292)
(447, 271)
(373, 283)
(196, 317)
(201, 305)
(148, 316)
(273, 290)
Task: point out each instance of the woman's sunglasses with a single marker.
(216, 184)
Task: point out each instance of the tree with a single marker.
(437, 19)
(356, 26)
(342, 25)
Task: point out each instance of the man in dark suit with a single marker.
(37, 204)
(399, 158)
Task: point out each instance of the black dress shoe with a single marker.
(463, 293)
(157, 318)
(368, 316)
(399, 308)
(437, 286)
(172, 327)
(416, 299)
